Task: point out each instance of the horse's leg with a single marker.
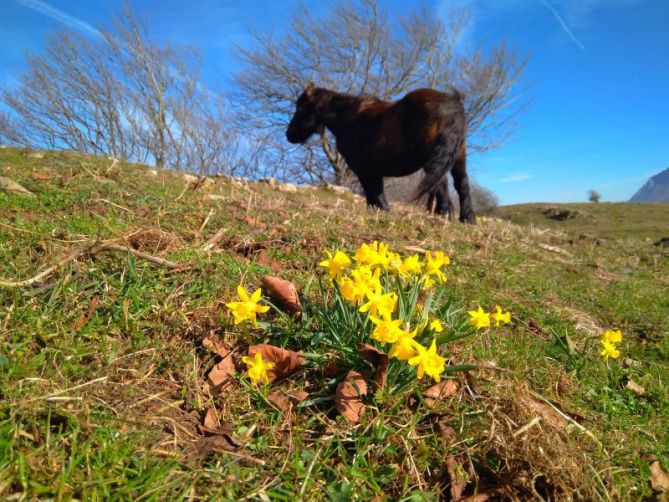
(444, 205)
(373, 187)
(461, 182)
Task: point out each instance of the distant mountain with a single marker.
(656, 189)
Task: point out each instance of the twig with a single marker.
(44, 273)
(143, 256)
(527, 426)
(412, 463)
(58, 393)
(111, 166)
(311, 468)
(205, 222)
(107, 246)
(183, 191)
(567, 417)
(96, 177)
(218, 237)
(116, 205)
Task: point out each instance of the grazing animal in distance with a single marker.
(426, 129)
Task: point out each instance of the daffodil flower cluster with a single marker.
(364, 283)
(610, 340)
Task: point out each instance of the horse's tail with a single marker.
(443, 159)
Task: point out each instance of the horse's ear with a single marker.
(310, 90)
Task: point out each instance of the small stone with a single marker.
(12, 186)
(336, 188)
(288, 187)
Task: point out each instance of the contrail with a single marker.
(50, 11)
(564, 26)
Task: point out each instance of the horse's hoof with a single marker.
(469, 219)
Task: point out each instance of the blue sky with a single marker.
(598, 77)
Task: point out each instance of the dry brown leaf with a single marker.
(213, 344)
(84, 318)
(458, 477)
(280, 400)
(220, 376)
(659, 480)
(253, 222)
(348, 397)
(211, 420)
(283, 293)
(285, 361)
(447, 433)
(331, 369)
(299, 395)
(217, 439)
(635, 387)
(548, 414)
(378, 359)
(440, 391)
(285, 401)
(479, 497)
(41, 176)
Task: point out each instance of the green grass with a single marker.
(602, 220)
(110, 410)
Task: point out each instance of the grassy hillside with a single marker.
(103, 371)
(604, 220)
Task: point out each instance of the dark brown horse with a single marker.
(425, 129)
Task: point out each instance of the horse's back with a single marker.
(434, 102)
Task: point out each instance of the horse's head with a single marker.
(306, 120)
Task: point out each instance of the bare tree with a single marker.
(594, 196)
(120, 94)
(357, 49)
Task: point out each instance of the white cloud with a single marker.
(60, 16)
(515, 177)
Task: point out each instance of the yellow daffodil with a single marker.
(372, 256)
(428, 282)
(612, 336)
(386, 330)
(436, 326)
(248, 307)
(336, 264)
(394, 262)
(410, 265)
(365, 280)
(405, 347)
(257, 371)
(429, 361)
(380, 304)
(433, 267)
(367, 255)
(479, 319)
(500, 317)
(609, 350)
(349, 290)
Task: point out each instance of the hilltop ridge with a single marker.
(656, 189)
